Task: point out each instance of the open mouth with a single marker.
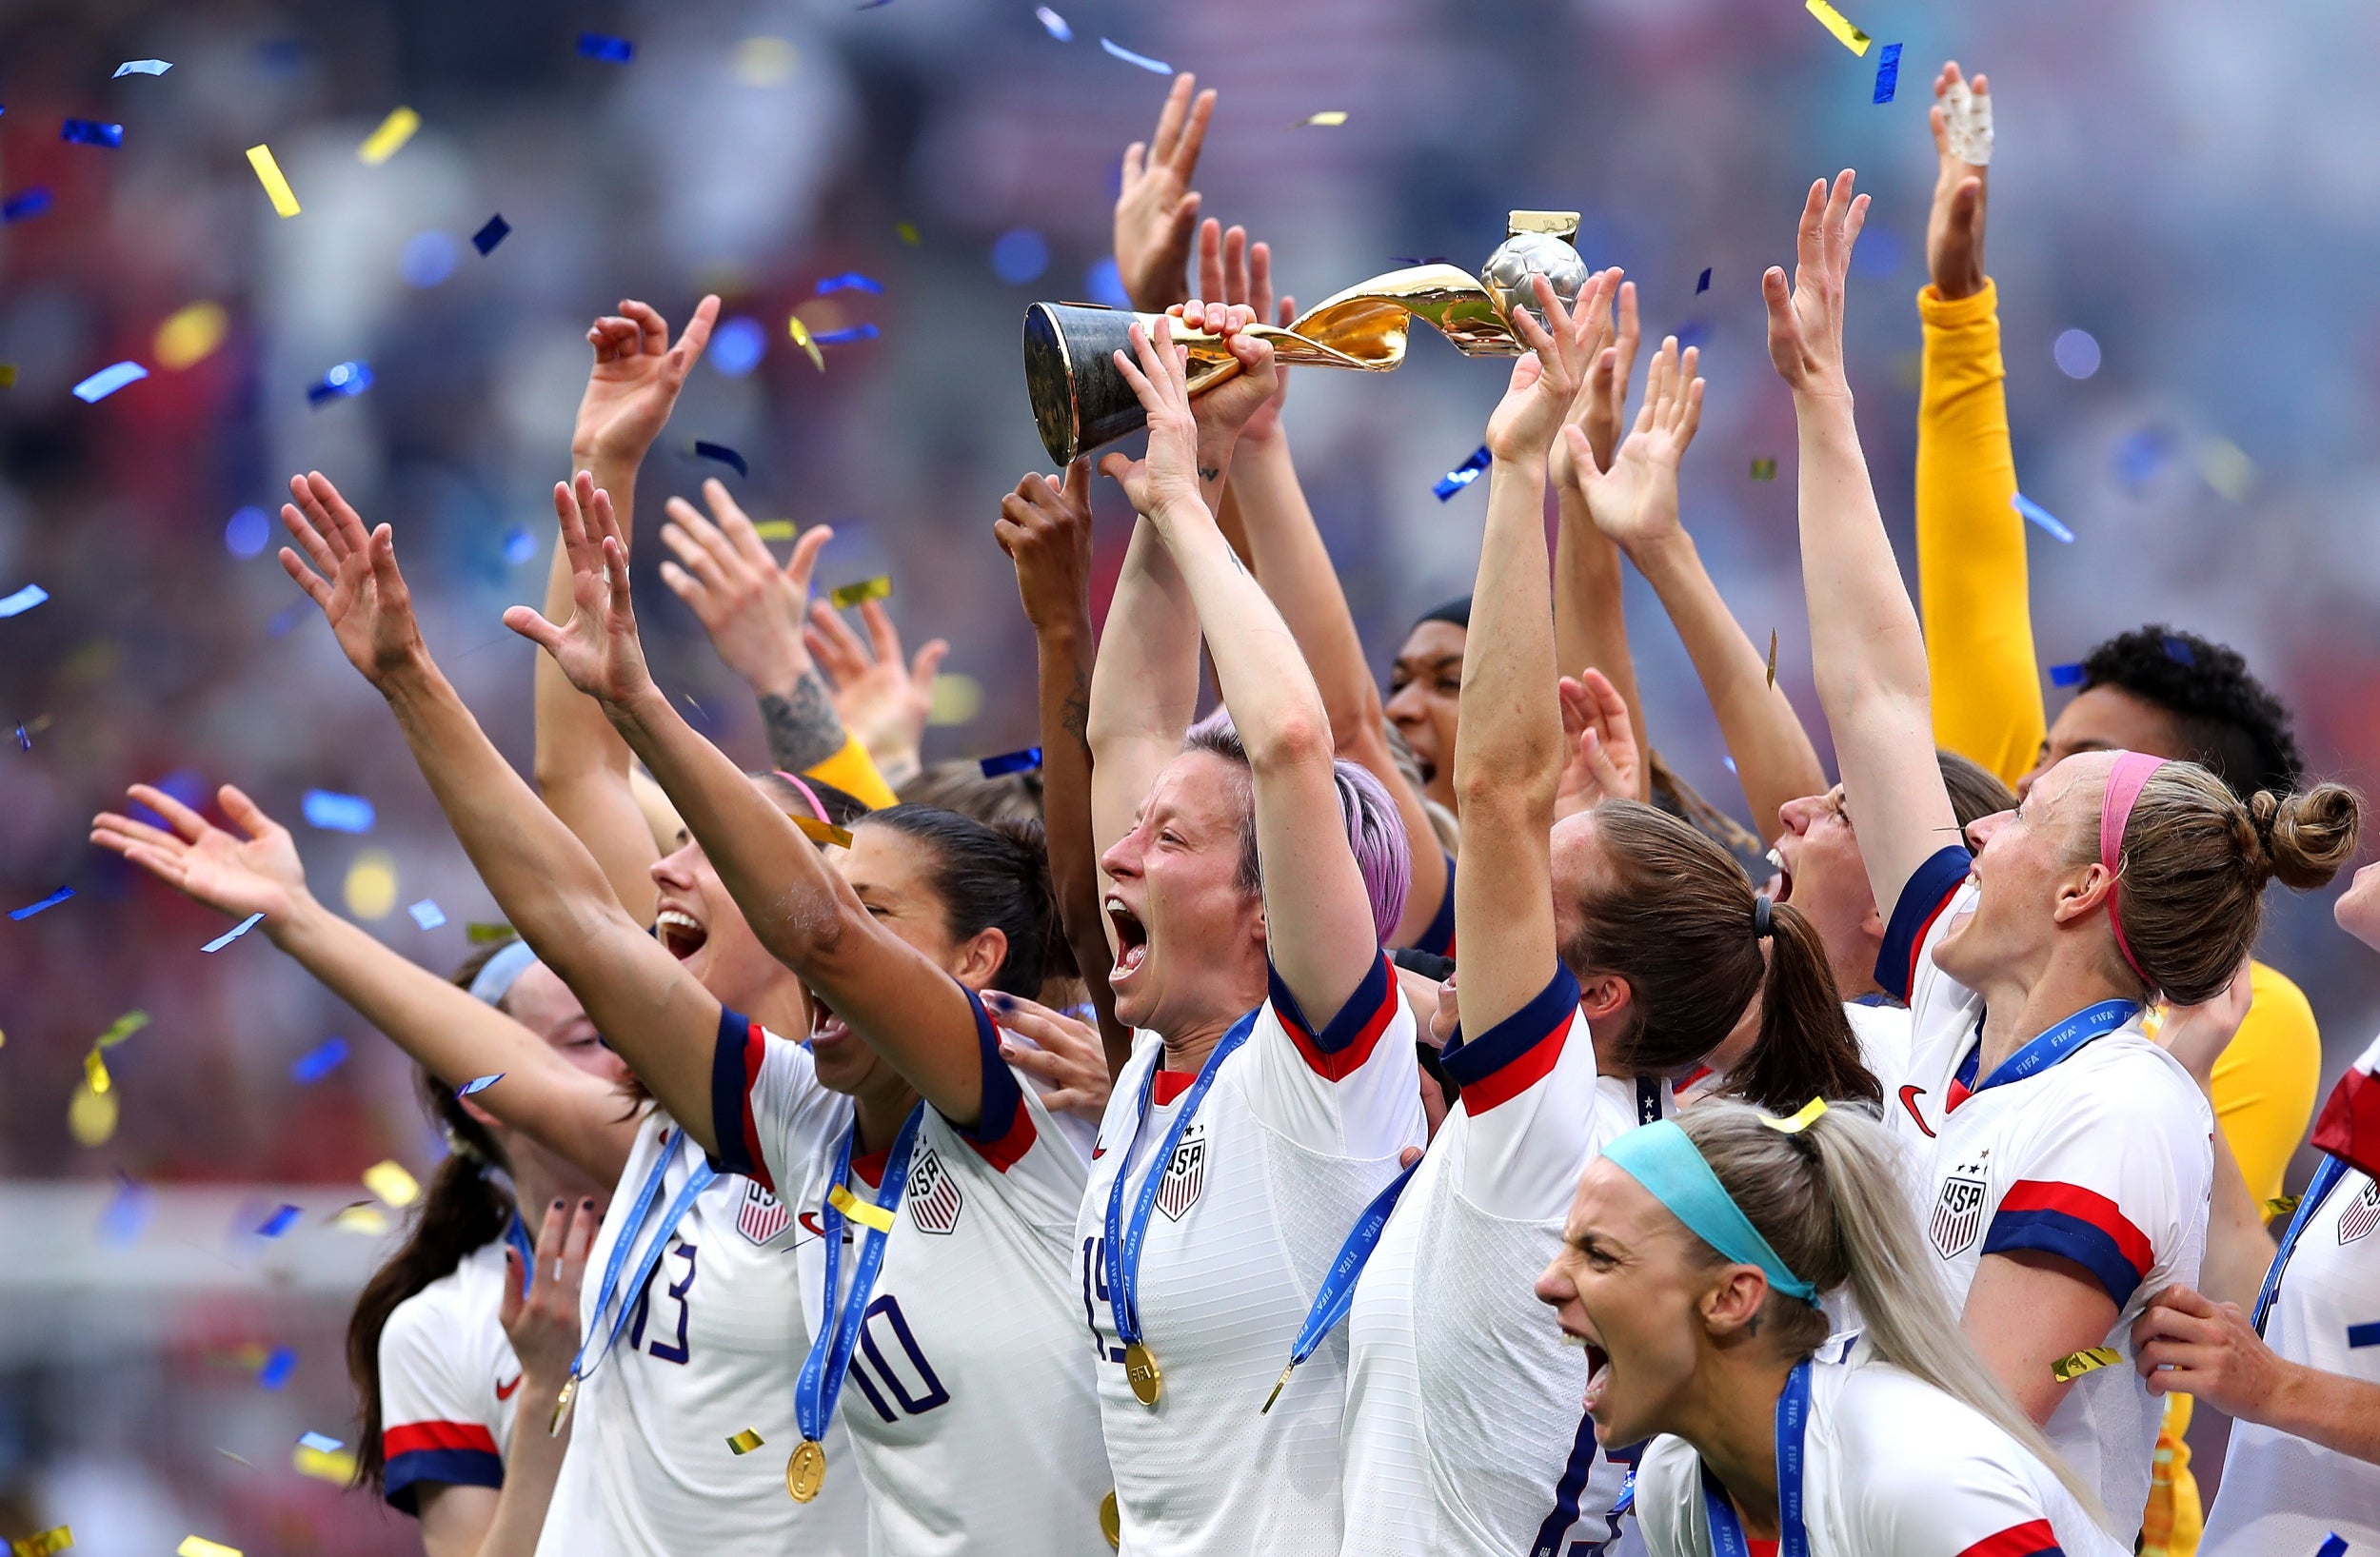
(681, 933)
(1132, 940)
(1781, 885)
(1598, 1370)
(825, 1027)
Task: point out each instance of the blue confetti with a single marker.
(520, 544)
(2358, 1335)
(319, 1061)
(737, 347)
(52, 901)
(2066, 675)
(233, 933)
(335, 812)
(143, 68)
(108, 381)
(721, 454)
(345, 380)
(845, 337)
(2333, 1545)
(277, 1368)
(19, 208)
(127, 1216)
(603, 46)
(1704, 284)
(1019, 255)
(850, 280)
(2042, 517)
(427, 913)
(1055, 23)
(91, 133)
(321, 1443)
(246, 532)
(477, 1084)
(22, 738)
(429, 258)
(487, 238)
(1024, 762)
(1463, 474)
(23, 601)
(1887, 73)
(2179, 651)
(279, 1222)
(1158, 66)
(1730, 763)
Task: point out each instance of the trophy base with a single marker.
(1080, 401)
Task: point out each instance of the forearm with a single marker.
(1774, 756)
(1258, 667)
(2239, 1249)
(1971, 543)
(2340, 1413)
(1065, 652)
(1590, 619)
(532, 1467)
(1144, 683)
(800, 724)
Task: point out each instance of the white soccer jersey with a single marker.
(969, 1402)
(2285, 1494)
(1464, 1432)
(711, 1347)
(1300, 1128)
(2104, 1158)
(448, 1382)
(1891, 1467)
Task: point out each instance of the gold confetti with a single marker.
(191, 336)
(2281, 1207)
(1764, 470)
(775, 529)
(389, 1181)
(820, 832)
(284, 200)
(2068, 1368)
(486, 934)
(363, 1217)
(955, 698)
(198, 1546)
(1772, 659)
(122, 1028)
(90, 1116)
(332, 1466)
(8, 381)
(1329, 118)
(850, 595)
(907, 233)
(1800, 1121)
(864, 1211)
(745, 1442)
(1836, 23)
(45, 1543)
(371, 885)
(765, 62)
(393, 132)
(95, 1073)
(801, 334)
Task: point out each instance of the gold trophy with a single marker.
(1080, 402)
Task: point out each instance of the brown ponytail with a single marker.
(1668, 911)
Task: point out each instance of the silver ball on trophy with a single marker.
(1540, 244)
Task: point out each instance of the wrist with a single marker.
(1662, 553)
(300, 919)
(2288, 1407)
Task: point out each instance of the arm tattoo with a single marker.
(804, 729)
(1074, 714)
(1210, 474)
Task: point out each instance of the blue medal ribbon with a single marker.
(697, 1181)
(1123, 1245)
(2326, 1178)
(2056, 1044)
(1792, 1420)
(820, 1384)
(1338, 1287)
(518, 1237)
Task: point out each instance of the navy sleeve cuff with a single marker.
(1924, 896)
(1003, 1131)
(1516, 1053)
(734, 1065)
(1347, 1040)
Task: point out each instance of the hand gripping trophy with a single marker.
(1080, 402)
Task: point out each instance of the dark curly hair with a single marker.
(2227, 720)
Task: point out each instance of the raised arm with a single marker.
(1633, 501)
(1144, 686)
(550, 887)
(582, 768)
(1324, 941)
(1590, 619)
(1286, 551)
(1865, 646)
(807, 915)
(1044, 526)
(883, 697)
(1157, 211)
(1970, 541)
(256, 870)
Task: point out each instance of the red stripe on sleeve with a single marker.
(755, 1052)
(2084, 1205)
(1520, 1072)
(2033, 1538)
(415, 1436)
(1338, 1063)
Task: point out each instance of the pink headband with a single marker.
(810, 795)
(2125, 781)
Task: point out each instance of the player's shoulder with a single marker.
(451, 1314)
(1903, 1442)
(2123, 1078)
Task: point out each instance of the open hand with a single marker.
(880, 697)
(1054, 1048)
(364, 597)
(753, 609)
(1044, 526)
(255, 871)
(1954, 227)
(636, 380)
(597, 648)
(1610, 355)
(1242, 274)
(1604, 762)
(1544, 382)
(1806, 322)
(1634, 501)
(543, 1322)
(1156, 208)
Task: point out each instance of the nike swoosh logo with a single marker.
(810, 1224)
(1909, 1100)
(504, 1391)
(1097, 1152)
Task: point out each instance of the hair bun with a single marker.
(2307, 837)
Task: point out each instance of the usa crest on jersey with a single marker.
(1958, 1215)
(2362, 1216)
(1186, 1177)
(762, 1217)
(934, 1199)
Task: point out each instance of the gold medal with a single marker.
(807, 1471)
(1112, 1521)
(562, 1407)
(1141, 1371)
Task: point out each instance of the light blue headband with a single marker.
(495, 979)
(1664, 1159)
